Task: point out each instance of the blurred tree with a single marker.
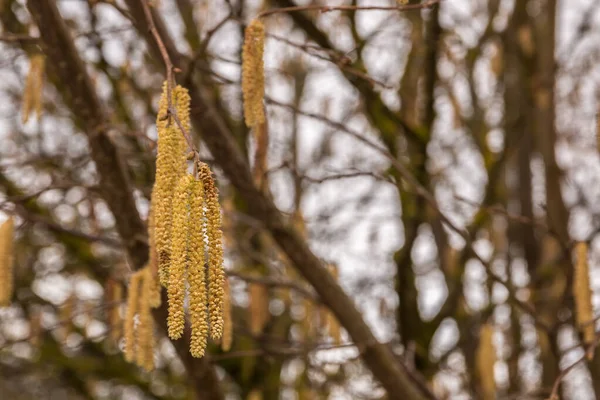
(401, 223)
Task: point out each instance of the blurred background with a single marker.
(442, 162)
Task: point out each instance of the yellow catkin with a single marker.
(214, 234)
(6, 261)
(485, 361)
(145, 328)
(227, 337)
(196, 272)
(259, 307)
(253, 76)
(179, 246)
(259, 169)
(32, 95)
(582, 293)
(170, 166)
(132, 309)
(155, 299)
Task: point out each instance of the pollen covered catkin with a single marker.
(170, 166)
(214, 234)
(253, 76)
(196, 272)
(582, 293)
(177, 268)
(6, 261)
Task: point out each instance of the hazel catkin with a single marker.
(253, 76)
(584, 312)
(6, 261)
(177, 268)
(170, 166)
(214, 234)
(196, 272)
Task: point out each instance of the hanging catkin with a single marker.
(196, 272)
(259, 307)
(32, 95)
(582, 293)
(6, 261)
(132, 309)
(214, 234)
(155, 289)
(170, 166)
(145, 328)
(253, 76)
(227, 337)
(177, 268)
(485, 361)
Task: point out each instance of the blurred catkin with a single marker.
(333, 325)
(170, 166)
(145, 329)
(177, 268)
(197, 272)
(132, 309)
(227, 337)
(259, 307)
(253, 76)
(582, 293)
(214, 234)
(32, 95)
(485, 361)
(6, 261)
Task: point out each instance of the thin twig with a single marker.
(324, 9)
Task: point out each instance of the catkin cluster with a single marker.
(170, 167)
(198, 260)
(6, 261)
(139, 335)
(185, 236)
(32, 95)
(582, 293)
(253, 76)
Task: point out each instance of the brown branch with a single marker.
(219, 140)
(325, 9)
(80, 96)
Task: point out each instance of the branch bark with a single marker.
(90, 115)
(378, 357)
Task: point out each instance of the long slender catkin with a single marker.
(582, 293)
(253, 76)
(32, 95)
(177, 268)
(216, 272)
(485, 361)
(6, 261)
(145, 329)
(197, 272)
(170, 166)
